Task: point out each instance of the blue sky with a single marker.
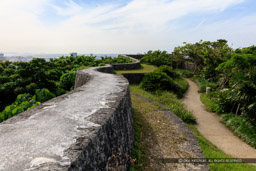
(122, 26)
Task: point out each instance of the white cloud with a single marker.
(240, 32)
(136, 27)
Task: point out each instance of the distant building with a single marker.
(1, 55)
(74, 54)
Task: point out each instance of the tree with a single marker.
(205, 54)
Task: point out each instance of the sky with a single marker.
(122, 26)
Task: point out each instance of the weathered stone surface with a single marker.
(76, 131)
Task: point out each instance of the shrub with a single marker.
(203, 83)
(67, 80)
(43, 95)
(185, 73)
(158, 81)
(60, 91)
(183, 85)
(169, 71)
(17, 110)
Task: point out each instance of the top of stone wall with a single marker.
(128, 66)
(41, 136)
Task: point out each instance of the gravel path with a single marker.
(210, 127)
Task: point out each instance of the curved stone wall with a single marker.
(90, 128)
(128, 66)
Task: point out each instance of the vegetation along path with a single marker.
(211, 128)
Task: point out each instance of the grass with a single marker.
(209, 104)
(141, 129)
(145, 68)
(203, 83)
(169, 100)
(211, 151)
(183, 84)
(184, 73)
(240, 125)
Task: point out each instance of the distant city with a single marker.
(28, 57)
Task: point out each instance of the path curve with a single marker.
(210, 127)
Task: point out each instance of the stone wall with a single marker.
(90, 128)
(189, 66)
(127, 66)
(134, 78)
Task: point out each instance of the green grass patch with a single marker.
(211, 151)
(209, 104)
(203, 83)
(183, 84)
(145, 68)
(139, 152)
(169, 100)
(241, 127)
(185, 73)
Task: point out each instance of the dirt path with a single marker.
(210, 127)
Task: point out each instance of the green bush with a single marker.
(60, 91)
(185, 73)
(67, 80)
(157, 58)
(183, 85)
(43, 95)
(169, 71)
(17, 110)
(203, 83)
(156, 81)
(23, 102)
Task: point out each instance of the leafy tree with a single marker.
(206, 55)
(157, 58)
(240, 75)
(56, 75)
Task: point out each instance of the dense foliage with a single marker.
(205, 54)
(164, 78)
(230, 73)
(155, 81)
(185, 73)
(157, 58)
(45, 79)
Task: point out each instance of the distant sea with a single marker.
(52, 55)
(25, 57)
